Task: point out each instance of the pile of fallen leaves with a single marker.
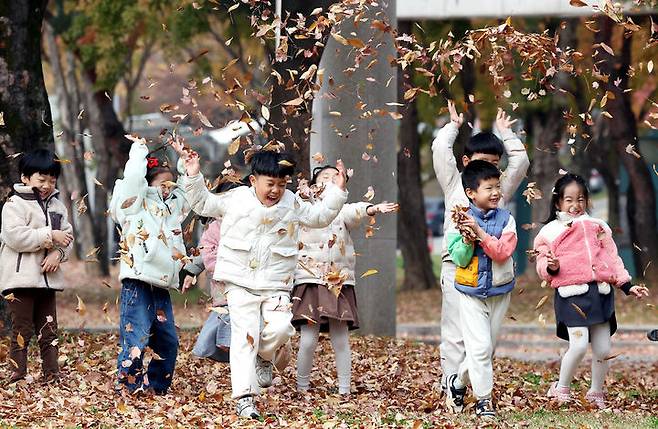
(394, 385)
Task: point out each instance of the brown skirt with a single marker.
(316, 302)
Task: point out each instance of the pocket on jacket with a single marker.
(468, 276)
(56, 220)
(235, 244)
(286, 252)
(502, 273)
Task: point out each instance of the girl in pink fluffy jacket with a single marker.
(577, 256)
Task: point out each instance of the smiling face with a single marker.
(328, 175)
(44, 183)
(487, 195)
(573, 200)
(269, 190)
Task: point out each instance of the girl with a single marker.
(149, 208)
(36, 238)
(323, 296)
(577, 256)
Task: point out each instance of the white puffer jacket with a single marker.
(150, 225)
(330, 249)
(259, 245)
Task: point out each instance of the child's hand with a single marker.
(303, 189)
(50, 264)
(61, 238)
(188, 283)
(503, 122)
(639, 291)
(341, 179)
(552, 262)
(457, 118)
(471, 223)
(178, 146)
(382, 208)
(192, 162)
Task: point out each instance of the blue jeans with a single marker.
(146, 319)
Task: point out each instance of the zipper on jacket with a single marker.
(18, 261)
(589, 251)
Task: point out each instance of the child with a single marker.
(482, 247)
(256, 260)
(152, 253)
(214, 339)
(483, 146)
(323, 297)
(36, 238)
(577, 256)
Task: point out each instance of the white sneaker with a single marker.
(263, 372)
(247, 408)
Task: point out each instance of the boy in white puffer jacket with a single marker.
(256, 260)
(149, 208)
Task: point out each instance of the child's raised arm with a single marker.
(201, 200)
(443, 157)
(129, 192)
(353, 214)
(517, 157)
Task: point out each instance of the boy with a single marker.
(482, 146)
(36, 238)
(481, 246)
(256, 259)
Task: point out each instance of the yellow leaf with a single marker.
(340, 39)
(20, 340)
(232, 8)
(234, 146)
(369, 273)
(81, 308)
(265, 112)
(577, 3)
(541, 302)
(357, 43)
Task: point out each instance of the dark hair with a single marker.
(41, 161)
(558, 192)
(477, 171)
(484, 143)
(272, 164)
(318, 170)
(156, 166)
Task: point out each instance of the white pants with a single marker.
(579, 338)
(248, 308)
(452, 342)
(480, 320)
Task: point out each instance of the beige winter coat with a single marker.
(26, 239)
(330, 250)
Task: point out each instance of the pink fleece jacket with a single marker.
(208, 245)
(585, 249)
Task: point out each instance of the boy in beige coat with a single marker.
(36, 237)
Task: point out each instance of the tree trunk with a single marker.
(546, 129)
(23, 98)
(291, 125)
(71, 145)
(623, 133)
(412, 228)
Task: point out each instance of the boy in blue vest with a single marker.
(481, 244)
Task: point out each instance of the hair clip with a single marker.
(152, 162)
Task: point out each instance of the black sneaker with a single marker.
(454, 396)
(484, 409)
(653, 335)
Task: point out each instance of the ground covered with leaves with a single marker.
(394, 385)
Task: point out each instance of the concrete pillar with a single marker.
(347, 137)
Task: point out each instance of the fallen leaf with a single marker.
(369, 273)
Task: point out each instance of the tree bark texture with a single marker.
(412, 228)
